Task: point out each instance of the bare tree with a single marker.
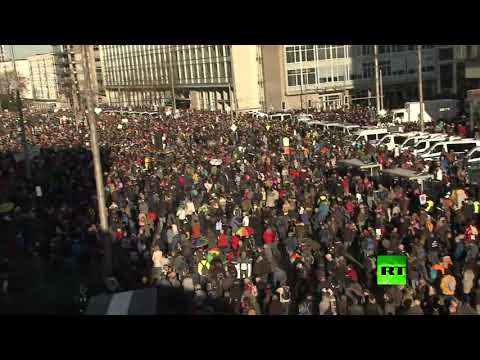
(8, 80)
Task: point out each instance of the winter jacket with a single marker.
(269, 237)
(448, 285)
(222, 241)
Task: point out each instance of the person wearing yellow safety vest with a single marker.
(429, 206)
(147, 163)
(203, 267)
(476, 208)
(476, 212)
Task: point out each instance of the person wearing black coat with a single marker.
(372, 308)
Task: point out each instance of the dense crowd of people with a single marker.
(255, 218)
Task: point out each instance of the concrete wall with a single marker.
(245, 72)
(273, 76)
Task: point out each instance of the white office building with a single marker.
(44, 79)
(211, 77)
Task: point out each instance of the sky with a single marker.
(23, 51)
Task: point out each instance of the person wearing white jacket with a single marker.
(439, 175)
(181, 213)
(189, 208)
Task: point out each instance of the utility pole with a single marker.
(230, 94)
(119, 99)
(233, 82)
(172, 81)
(102, 208)
(377, 85)
(23, 135)
(420, 87)
(380, 72)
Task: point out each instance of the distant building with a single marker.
(331, 76)
(273, 77)
(467, 58)
(211, 77)
(70, 74)
(44, 80)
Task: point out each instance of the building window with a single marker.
(321, 53)
(292, 78)
(340, 52)
(445, 54)
(283, 105)
(386, 67)
(446, 76)
(290, 54)
(222, 69)
(367, 49)
(357, 50)
(309, 53)
(368, 70)
(309, 76)
(309, 103)
(412, 47)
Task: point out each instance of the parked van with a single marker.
(304, 118)
(391, 141)
(347, 129)
(459, 147)
(425, 144)
(472, 158)
(369, 135)
(281, 117)
(411, 141)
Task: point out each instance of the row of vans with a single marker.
(132, 113)
(459, 147)
(427, 146)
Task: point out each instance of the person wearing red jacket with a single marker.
(349, 207)
(235, 242)
(471, 233)
(295, 174)
(346, 185)
(270, 241)
(222, 242)
(269, 237)
(181, 180)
